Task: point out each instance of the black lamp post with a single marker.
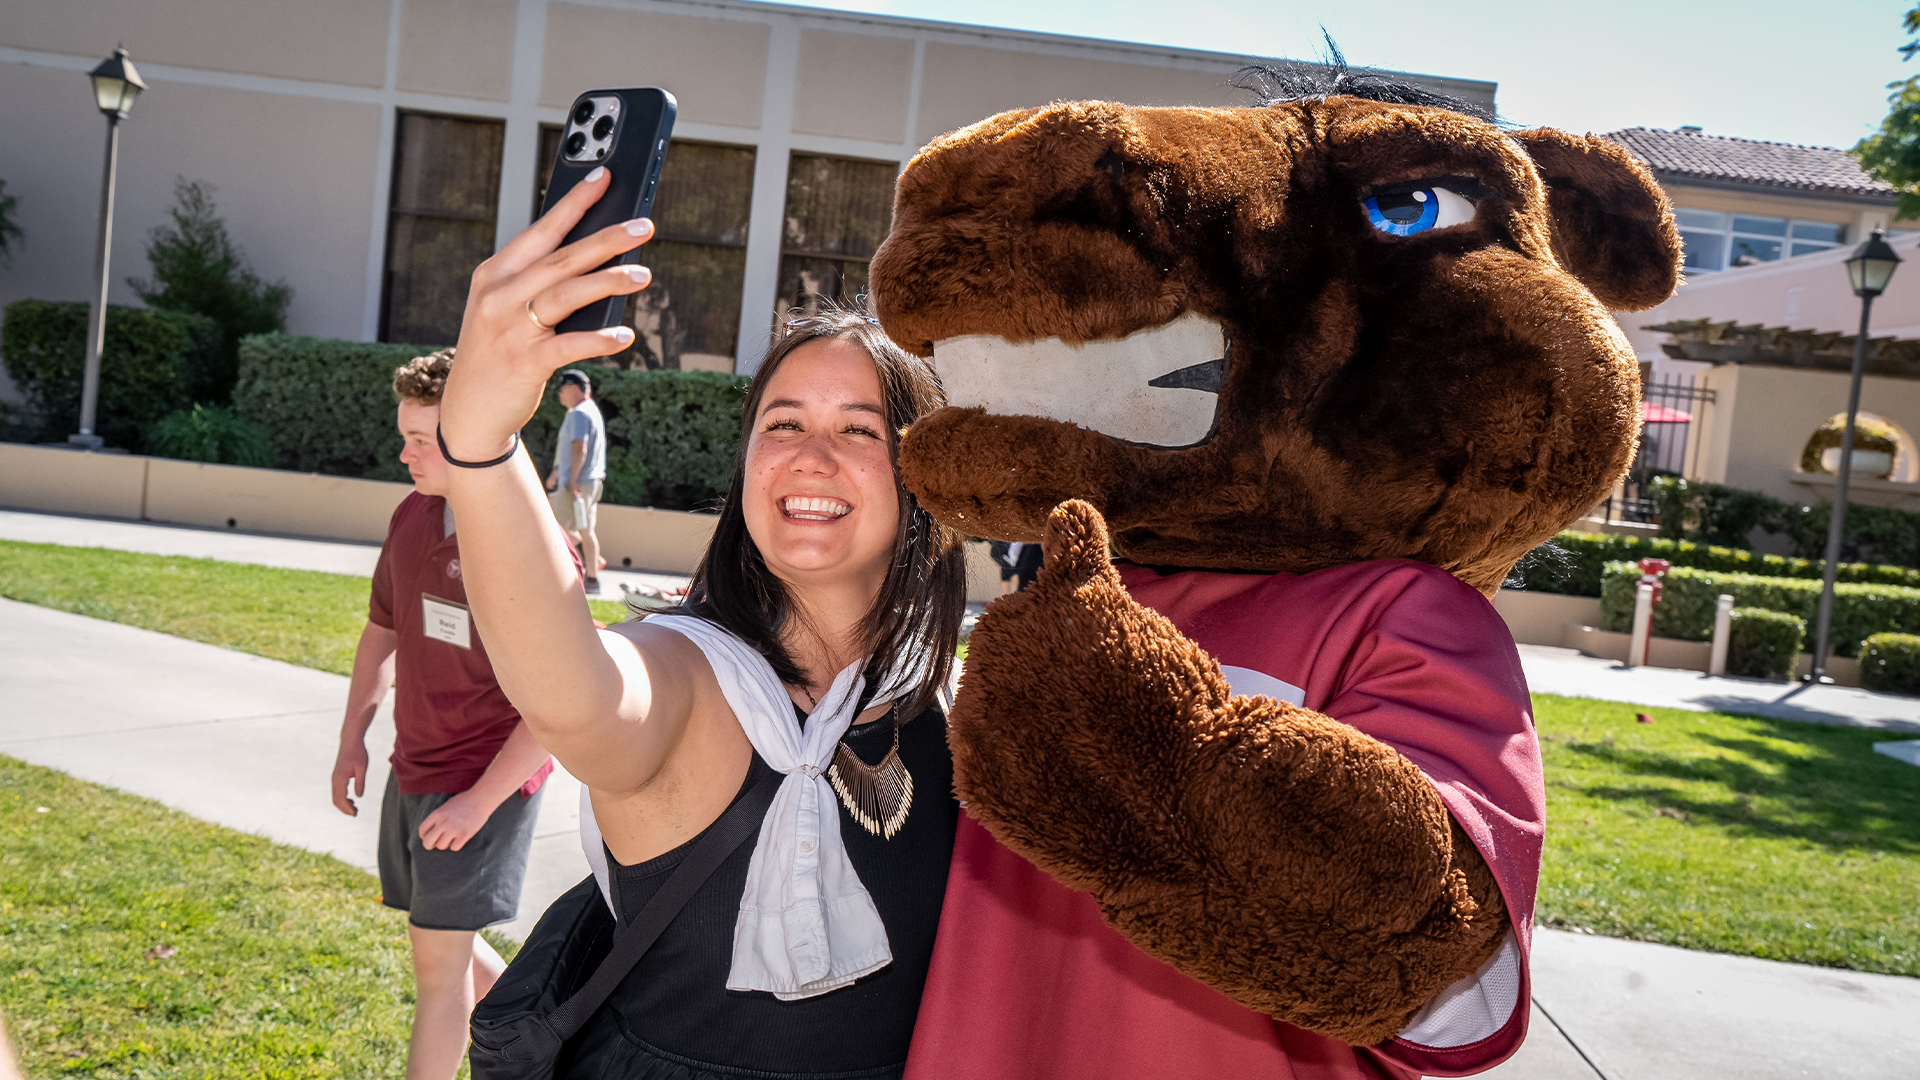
(115, 86)
(1870, 269)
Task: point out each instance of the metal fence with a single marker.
(1673, 412)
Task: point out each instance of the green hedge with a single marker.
(1891, 662)
(1718, 514)
(1714, 513)
(679, 427)
(329, 405)
(212, 434)
(1879, 534)
(1574, 563)
(153, 363)
(1764, 644)
(1688, 597)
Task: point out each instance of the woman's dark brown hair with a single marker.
(924, 595)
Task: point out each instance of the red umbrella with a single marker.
(1655, 413)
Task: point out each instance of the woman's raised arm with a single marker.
(610, 707)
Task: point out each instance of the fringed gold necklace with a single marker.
(878, 796)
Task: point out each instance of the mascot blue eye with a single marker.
(1414, 210)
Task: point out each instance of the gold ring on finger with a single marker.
(536, 318)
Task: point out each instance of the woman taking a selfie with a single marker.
(806, 662)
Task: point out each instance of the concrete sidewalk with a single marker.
(1565, 671)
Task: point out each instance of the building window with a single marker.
(688, 317)
(1716, 241)
(440, 225)
(543, 165)
(838, 211)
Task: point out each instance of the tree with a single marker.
(10, 233)
(1892, 155)
(198, 268)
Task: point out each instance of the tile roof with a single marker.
(1695, 154)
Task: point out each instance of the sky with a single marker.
(1801, 71)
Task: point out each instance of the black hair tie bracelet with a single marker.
(451, 460)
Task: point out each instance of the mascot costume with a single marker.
(1251, 782)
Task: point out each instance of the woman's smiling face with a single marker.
(821, 499)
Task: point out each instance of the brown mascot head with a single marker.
(1279, 338)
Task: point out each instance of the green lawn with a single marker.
(286, 964)
(300, 616)
(1768, 838)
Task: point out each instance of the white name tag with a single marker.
(444, 620)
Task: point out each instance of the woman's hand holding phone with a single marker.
(507, 349)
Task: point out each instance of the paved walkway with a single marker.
(1564, 671)
(248, 743)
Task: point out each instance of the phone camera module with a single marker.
(591, 129)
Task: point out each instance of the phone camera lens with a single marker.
(583, 112)
(576, 142)
(600, 153)
(603, 127)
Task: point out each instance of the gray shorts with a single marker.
(475, 887)
(562, 501)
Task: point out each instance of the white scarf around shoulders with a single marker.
(807, 924)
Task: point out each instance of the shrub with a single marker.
(1891, 662)
(1714, 513)
(329, 405)
(1574, 563)
(1717, 514)
(1764, 644)
(680, 426)
(213, 434)
(1871, 534)
(1688, 596)
(150, 366)
(197, 268)
(626, 479)
(1867, 435)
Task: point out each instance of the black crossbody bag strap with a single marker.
(631, 942)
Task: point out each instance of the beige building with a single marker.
(1740, 202)
(1770, 348)
(1766, 357)
(370, 152)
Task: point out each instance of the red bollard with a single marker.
(1650, 573)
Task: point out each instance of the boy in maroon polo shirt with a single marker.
(457, 818)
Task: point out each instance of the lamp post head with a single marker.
(115, 85)
(1871, 267)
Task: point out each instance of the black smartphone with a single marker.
(627, 131)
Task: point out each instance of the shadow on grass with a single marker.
(1835, 792)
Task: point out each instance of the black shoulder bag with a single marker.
(577, 954)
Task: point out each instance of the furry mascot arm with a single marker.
(1305, 869)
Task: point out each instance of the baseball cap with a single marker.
(575, 377)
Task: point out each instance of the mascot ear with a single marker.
(1612, 225)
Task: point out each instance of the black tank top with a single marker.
(674, 1019)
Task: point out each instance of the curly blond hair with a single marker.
(423, 378)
